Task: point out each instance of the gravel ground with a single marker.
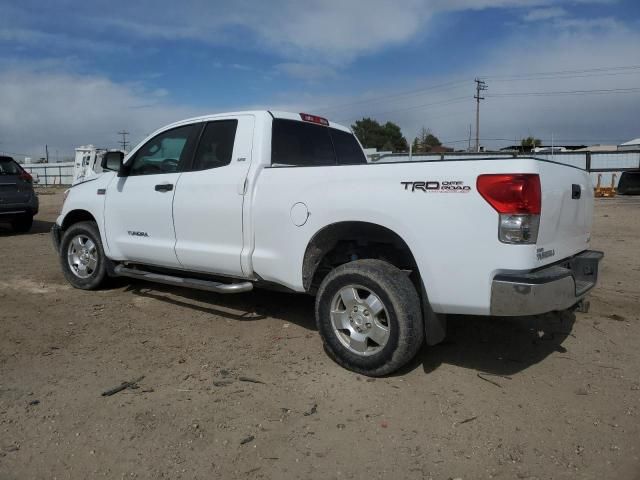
(549, 397)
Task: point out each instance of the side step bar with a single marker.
(207, 285)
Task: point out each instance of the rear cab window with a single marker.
(303, 144)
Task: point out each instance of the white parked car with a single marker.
(234, 201)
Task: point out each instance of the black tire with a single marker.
(23, 223)
(98, 275)
(403, 316)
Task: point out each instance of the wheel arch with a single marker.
(77, 215)
(345, 241)
(330, 237)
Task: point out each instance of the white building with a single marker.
(630, 145)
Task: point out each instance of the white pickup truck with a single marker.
(229, 202)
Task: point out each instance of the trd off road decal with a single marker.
(448, 186)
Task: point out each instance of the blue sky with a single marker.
(73, 73)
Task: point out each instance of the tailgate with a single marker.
(567, 212)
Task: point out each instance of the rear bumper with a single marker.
(9, 211)
(552, 288)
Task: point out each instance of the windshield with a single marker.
(9, 167)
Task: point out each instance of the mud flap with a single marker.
(435, 324)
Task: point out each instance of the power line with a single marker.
(449, 101)
(407, 93)
(600, 71)
(565, 77)
(124, 142)
(513, 94)
(564, 72)
(596, 91)
(455, 100)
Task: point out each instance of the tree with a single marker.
(425, 141)
(415, 146)
(383, 137)
(530, 143)
(432, 141)
(388, 147)
(394, 136)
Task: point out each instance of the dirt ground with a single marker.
(549, 397)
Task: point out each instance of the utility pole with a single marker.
(480, 87)
(46, 154)
(124, 142)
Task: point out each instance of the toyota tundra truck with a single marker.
(263, 199)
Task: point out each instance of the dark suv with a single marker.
(18, 201)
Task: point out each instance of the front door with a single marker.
(138, 207)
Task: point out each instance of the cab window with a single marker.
(165, 153)
(348, 150)
(216, 145)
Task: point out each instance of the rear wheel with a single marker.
(82, 257)
(23, 223)
(368, 314)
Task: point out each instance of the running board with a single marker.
(207, 285)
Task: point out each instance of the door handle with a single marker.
(576, 190)
(164, 187)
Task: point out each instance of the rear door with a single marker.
(567, 212)
(138, 207)
(14, 189)
(208, 204)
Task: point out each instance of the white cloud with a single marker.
(65, 110)
(41, 104)
(541, 14)
(57, 41)
(448, 111)
(332, 32)
(306, 71)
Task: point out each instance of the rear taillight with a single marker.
(26, 176)
(517, 197)
(314, 119)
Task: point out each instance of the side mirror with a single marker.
(112, 161)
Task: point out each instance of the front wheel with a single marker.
(368, 314)
(82, 257)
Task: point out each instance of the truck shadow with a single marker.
(498, 345)
(252, 306)
(39, 226)
(495, 345)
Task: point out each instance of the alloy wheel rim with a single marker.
(360, 320)
(82, 256)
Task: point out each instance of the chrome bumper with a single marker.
(548, 289)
